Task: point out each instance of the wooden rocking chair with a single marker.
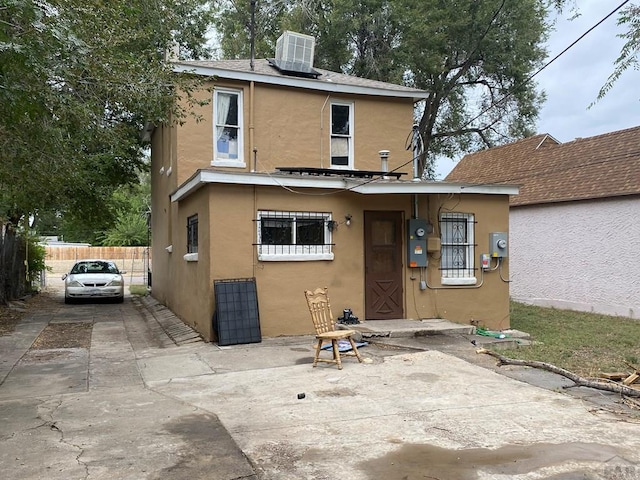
(320, 309)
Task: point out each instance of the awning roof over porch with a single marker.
(372, 186)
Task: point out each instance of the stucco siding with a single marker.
(580, 255)
(292, 127)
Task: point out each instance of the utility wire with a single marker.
(530, 77)
(482, 112)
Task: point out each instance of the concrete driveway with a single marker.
(144, 402)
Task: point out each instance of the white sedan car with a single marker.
(94, 279)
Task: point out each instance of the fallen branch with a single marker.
(577, 379)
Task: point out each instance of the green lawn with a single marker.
(584, 343)
(138, 290)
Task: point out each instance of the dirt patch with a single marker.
(11, 315)
(9, 318)
(64, 335)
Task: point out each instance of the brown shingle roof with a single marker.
(549, 171)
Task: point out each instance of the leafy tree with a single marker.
(132, 205)
(475, 58)
(130, 230)
(628, 58)
(78, 82)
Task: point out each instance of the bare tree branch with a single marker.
(576, 379)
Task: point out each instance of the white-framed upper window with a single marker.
(457, 257)
(227, 131)
(294, 236)
(342, 135)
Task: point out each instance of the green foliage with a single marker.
(130, 230)
(78, 82)
(36, 261)
(628, 58)
(475, 58)
(131, 204)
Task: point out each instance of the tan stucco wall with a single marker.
(193, 278)
(228, 234)
(160, 213)
(292, 128)
(488, 300)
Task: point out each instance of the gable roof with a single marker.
(264, 72)
(549, 171)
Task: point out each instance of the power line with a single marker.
(482, 112)
(530, 77)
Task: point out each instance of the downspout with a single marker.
(253, 161)
(322, 131)
(252, 91)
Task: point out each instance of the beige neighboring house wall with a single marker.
(578, 256)
(288, 125)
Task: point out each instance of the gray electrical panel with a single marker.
(417, 229)
(498, 245)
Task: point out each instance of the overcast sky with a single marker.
(572, 82)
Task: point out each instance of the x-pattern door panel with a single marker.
(383, 264)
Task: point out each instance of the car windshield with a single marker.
(94, 267)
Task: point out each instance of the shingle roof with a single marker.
(549, 171)
(326, 80)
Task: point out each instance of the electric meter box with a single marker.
(417, 229)
(498, 245)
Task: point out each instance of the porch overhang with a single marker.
(376, 186)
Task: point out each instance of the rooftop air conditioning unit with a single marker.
(295, 47)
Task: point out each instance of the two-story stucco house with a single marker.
(301, 178)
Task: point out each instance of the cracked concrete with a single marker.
(87, 414)
(140, 405)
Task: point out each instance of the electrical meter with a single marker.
(417, 242)
(498, 246)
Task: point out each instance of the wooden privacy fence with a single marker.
(135, 261)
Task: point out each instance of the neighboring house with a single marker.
(575, 234)
(282, 180)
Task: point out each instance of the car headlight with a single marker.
(116, 282)
(74, 283)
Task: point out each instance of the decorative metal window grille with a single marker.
(297, 235)
(457, 247)
(192, 234)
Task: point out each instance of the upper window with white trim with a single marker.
(457, 260)
(342, 135)
(227, 113)
(294, 236)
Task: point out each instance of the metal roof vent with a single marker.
(296, 47)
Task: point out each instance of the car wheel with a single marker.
(120, 299)
(68, 300)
